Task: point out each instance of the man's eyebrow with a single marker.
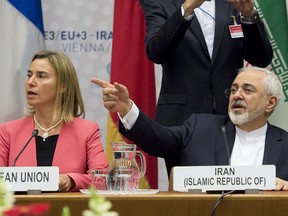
(244, 84)
(248, 85)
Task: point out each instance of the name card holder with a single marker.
(249, 179)
(32, 180)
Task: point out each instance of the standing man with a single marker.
(200, 45)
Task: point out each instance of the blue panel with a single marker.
(32, 10)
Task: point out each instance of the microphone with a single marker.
(224, 193)
(34, 134)
(223, 129)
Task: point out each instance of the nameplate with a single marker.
(222, 178)
(23, 179)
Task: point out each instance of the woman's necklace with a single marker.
(46, 133)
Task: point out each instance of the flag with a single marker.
(274, 16)
(22, 35)
(131, 67)
(287, 9)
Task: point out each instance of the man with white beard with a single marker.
(243, 138)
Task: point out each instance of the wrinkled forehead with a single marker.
(250, 77)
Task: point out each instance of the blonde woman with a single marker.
(54, 108)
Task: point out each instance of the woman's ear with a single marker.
(63, 88)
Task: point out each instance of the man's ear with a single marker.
(271, 103)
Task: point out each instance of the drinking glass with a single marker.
(99, 178)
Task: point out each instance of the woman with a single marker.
(54, 107)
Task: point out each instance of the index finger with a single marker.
(101, 83)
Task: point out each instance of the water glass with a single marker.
(99, 178)
(122, 180)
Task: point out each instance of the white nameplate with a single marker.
(44, 178)
(214, 178)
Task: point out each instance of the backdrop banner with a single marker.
(274, 16)
(83, 30)
(21, 37)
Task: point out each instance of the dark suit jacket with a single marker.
(191, 81)
(200, 141)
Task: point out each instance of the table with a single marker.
(170, 203)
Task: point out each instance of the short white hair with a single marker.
(272, 84)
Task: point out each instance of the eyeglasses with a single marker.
(233, 90)
(227, 92)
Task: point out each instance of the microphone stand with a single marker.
(34, 133)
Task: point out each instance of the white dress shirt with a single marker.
(249, 147)
(130, 118)
(206, 17)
